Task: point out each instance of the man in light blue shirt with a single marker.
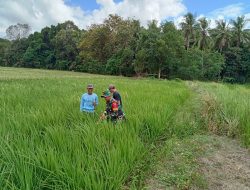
(89, 100)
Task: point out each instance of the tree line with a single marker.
(191, 51)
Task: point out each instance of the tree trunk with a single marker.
(159, 73)
(187, 43)
(238, 41)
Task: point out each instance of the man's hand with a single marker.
(103, 117)
(94, 104)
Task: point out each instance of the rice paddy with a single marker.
(47, 143)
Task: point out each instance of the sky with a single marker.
(41, 13)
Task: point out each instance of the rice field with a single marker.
(47, 143)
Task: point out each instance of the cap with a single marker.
(90, 86)
(106, 93)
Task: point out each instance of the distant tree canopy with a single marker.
(18, 31)
(124, 47)
(4, 44)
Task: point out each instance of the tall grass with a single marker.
(46, 143)
(234, 105)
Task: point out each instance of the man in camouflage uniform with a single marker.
(113, 111)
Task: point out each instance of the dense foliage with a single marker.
(124, 47)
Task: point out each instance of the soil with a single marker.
(226, 165)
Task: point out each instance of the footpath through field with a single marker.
(203, 160)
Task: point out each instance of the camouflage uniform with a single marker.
(110, 113)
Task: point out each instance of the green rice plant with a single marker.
(48, 144)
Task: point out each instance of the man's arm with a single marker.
(96, 101)
(82, 103)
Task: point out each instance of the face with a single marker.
(112, 90)
(107, 98)
(90, 90)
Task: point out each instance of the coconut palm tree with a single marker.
(203, 38)
(187, 27)
(222, 35)
(238, 30)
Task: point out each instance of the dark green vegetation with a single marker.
(4, 44)
(124, 47)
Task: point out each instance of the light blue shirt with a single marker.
(87, 102)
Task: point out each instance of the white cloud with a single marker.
(226, 13)
(41, 13)
(230, 11)
(37, 13)
(144, 10)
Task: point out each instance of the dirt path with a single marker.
(203, 161)
(226, 165)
